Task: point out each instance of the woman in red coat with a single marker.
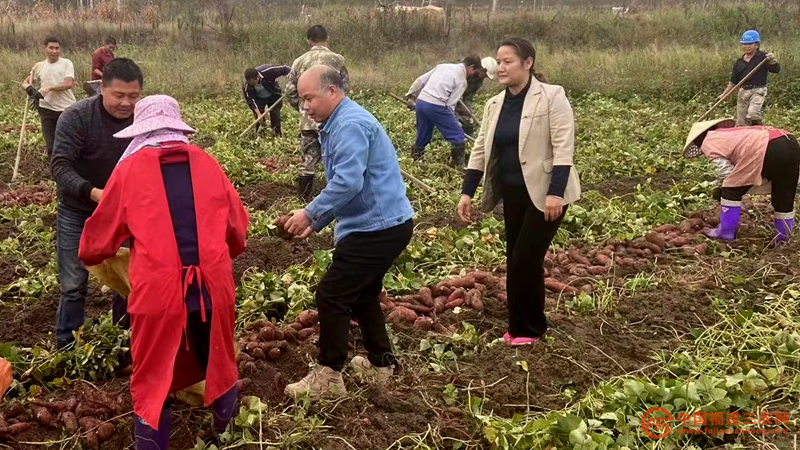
(186, 223)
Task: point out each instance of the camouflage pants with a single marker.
(311, 150)
(750, 105)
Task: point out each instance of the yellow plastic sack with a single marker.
(113, 272)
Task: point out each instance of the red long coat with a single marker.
(134, 205)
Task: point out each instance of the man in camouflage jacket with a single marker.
(319, 54)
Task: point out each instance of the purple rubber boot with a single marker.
(224, 408)
(149, 439)
(728, 223)
(784, 223)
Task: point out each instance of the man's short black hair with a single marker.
(251, 74)
(122, 69)
(109, 40)
(317, 33)
(473, 60)
(51, 39)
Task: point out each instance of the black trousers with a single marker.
(528, 236)
(782, 168)
(351, 288)
(274, 116)
(49, 119)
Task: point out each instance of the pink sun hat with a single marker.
(155, 112)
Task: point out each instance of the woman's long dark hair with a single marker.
(524, 49)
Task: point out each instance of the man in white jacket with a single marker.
(434, 96)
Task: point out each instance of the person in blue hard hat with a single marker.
(751, 96)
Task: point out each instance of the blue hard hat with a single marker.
(751, 37)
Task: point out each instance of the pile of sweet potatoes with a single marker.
(27, 195)
(74, 416)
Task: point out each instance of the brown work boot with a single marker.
(321, 382)
(365, 369)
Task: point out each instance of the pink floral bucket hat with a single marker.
(155, 112)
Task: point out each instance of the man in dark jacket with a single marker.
(261, 91)
(85, 153)
(751, 96)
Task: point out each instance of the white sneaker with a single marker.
(321, 382)
(362, 367)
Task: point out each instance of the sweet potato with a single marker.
(266, 334)
(297, 326)
(274, 354)
(251, 367)
(481, 277)
(454, 304)
(457, 294)
(502, 298)
(3, 427)
(280, 222)
(308, 318)
(388, 307)
(278, 335)
(258, 354)
(701, 249)
(426, 297)
(92, 441)
(106, 431)
(656, 238)
(70, 421)
(556, 286)
(17, 428)
(578, 271)
(464, 283)
(441, 329)
(423, 324)
(562, 259)
(652, 247)
(439, 303)
(689, 249)
(576, 256)
(305, 333)
(477, 304)
(440, 290)
(648, 252)
(89, 423)
(414, 307)
(290, 335)
(664, 228)
(587, 288)
(686, 226)
(251, 346)
(56, 406)
(13, 410)
(501, 269)
(679, 241)
(383, 296)
(43, 416)
(353, 324)
(597, 270)
(402, 315)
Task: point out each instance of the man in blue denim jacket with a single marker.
(366, 196)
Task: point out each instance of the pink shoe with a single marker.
(516, 342)
(508, 338)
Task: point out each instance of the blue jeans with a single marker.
(441, 117)
(74, 278)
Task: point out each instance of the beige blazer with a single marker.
(546, 138)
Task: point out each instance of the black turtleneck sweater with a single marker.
(507, 167)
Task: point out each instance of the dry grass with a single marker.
(188, 51)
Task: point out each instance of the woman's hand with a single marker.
(465, 209)
(553, 208)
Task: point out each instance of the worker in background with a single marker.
(261, 91)
(55, 77)
(465, 109)
(745, 157)
(751, 96)
(186, 223)
(366, 196)
(434, 96)
(100, 58)
(319, 53)
(84, 155)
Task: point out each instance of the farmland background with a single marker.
(191, 49)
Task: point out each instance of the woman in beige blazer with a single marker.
(524, 152)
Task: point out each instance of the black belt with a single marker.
(747, 87)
